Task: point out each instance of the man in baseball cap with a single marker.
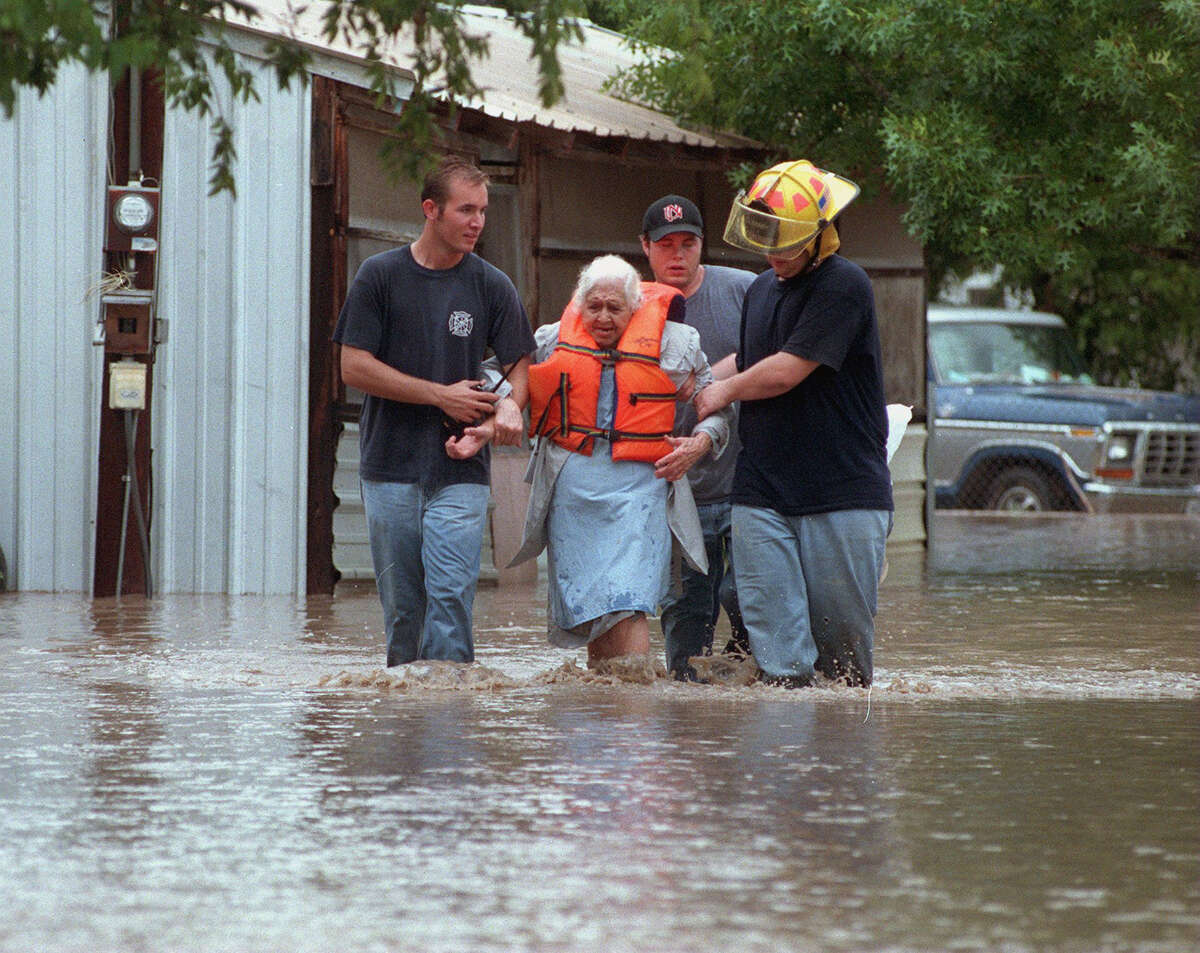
(671, 213)
(673, 239)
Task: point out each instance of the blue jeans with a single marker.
(425, 545)
(808, 587)
(689, 620)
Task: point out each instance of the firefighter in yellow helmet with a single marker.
(788, 213)
(812, 497)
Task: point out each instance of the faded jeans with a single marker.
(425, 545)
(808, 587)
(689, 620)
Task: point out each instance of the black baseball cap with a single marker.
(671, 213)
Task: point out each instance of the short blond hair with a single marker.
(451, 168)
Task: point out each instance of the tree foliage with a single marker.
(1059, 139)
(187, 42)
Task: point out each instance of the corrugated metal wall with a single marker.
(52, 189)
(231, 384)
(230, 401)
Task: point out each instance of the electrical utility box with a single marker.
(127, 385)
(132, 219)
(128, 322)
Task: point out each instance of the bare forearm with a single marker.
(364, 371)
(462, 400)
(725, 367)
(518, 377)
(770, 377)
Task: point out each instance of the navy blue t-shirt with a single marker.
(436, 324)
(821, 446)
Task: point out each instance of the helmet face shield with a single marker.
(766, 233)
(786, 208)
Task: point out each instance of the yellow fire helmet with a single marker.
(786, 208)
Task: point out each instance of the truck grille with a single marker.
(1172, 458)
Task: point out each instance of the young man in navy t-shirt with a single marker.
(415, 328)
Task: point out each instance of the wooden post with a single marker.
(327, 283)
(112, 458)
(529, 184)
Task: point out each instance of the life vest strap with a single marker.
(560, 392)
(634, 398)
(612, 434)
(608, 355)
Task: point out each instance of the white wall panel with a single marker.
(231, 387)
(191, 382)
(52, 201)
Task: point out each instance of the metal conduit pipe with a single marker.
(135, 123)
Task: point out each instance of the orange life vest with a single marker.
(565, 388)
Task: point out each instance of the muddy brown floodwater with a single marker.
(211, 773)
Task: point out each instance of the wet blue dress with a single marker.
(609, 545)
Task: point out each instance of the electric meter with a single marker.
(132, 219)
(133, 213)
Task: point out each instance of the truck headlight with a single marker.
(1120, 448)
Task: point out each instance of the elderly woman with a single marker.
(607, 500)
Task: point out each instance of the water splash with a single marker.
(425, 676)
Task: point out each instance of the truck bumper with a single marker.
(1107, 498)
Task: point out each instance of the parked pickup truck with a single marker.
(1019, 425)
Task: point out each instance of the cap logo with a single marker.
(672, 213)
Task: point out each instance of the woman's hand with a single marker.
(712, 398)
(472, 441)
(687, 451)
(509, 423)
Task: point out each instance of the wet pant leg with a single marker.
(726, 590)
(842, 557)
(688, 621)
(772, 592)
(453, 526)
(394, 529)
(425, 548)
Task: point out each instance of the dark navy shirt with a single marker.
(436, 324)
(820, 446)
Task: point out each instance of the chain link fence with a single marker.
(1015, 483)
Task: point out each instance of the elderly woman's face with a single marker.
(606, 313)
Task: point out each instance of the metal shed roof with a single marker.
(508, 76)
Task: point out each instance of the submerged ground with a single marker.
(220, 773)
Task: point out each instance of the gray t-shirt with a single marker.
(715, 310)
(433, 324)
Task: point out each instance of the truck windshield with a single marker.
(983, 353)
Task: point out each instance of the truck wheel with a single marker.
(1020, 489)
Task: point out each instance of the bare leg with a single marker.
(628, 637)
